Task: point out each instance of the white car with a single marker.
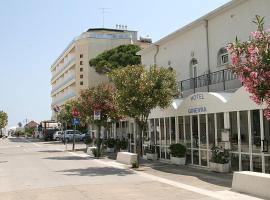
(69, 135)
(57, 135)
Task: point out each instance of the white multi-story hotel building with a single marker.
(71, 71)
(214, 108)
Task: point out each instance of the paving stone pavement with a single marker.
(38, 170)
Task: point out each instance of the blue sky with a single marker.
(34, 32)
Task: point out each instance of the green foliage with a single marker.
(88, 140)
(110, 143)
(115, 58)
(178, 150)
(97, 153)
(29, 131)
(3, 119)
(123, 144)
(140, 90)
(65, 115)
(135, 164)
(103, 98)
(219, 155)
(20, 124)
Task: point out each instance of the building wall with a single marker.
(237, 21)
(223, 27)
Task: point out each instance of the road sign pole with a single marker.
(73, 146)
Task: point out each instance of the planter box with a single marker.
(126, 157)
(90, 152)
(110, 150)
(217, 167)
(178, 161)
(151, 156)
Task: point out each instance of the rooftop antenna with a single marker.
(103, 10)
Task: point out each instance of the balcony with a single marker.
(223, 80)
(65, 66)
(64, 98)
(67, 80)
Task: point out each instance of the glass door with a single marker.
(266, 145)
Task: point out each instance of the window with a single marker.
(81, 76)
(193, 68)
(81, 62)
(81, 83)
(81, 69)
(81, 55)
(223, 57)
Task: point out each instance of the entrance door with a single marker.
(199, 140)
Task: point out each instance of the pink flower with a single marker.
(257, 35)
(254, 75)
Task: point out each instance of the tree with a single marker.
(140, 90)
(65, 115)
(20, 124)
(251, 63)
(3, 120)
(115, 58)
(100, 98)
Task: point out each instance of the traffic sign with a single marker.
(97, 114)
(76, 121)
(75, 113)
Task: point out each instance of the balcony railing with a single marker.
(223, 80)
(64, 98)
(63, 68)
(72, 77)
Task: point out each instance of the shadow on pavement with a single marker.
(97, 171)
(224, 180)
(66, 158)
(50, 151)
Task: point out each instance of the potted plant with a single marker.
(88, 141)
(110, 145)
(178, 154)
(150, 153)
(220, 160)
(123, 144)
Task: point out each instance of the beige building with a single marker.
(71, 71)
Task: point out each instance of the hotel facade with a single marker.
(71, 71)
(214, 108)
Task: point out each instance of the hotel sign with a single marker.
(197, 110)
(200, 109)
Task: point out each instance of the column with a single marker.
(239, 140)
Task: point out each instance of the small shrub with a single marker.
(135, 164)
(150, 149)
(220, 155)
(97, 153)
(88, 140)
(123, 144)
(178, 150)
(110, 143)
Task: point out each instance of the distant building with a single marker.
(31, 124)
(71, 72)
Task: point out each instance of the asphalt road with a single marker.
(39, 170)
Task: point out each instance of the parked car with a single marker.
(68, 136)
(57, 135)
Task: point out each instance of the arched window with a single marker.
(193, 68)
(222, 57)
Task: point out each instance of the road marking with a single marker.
(222, 195)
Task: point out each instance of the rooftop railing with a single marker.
(223, 80)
